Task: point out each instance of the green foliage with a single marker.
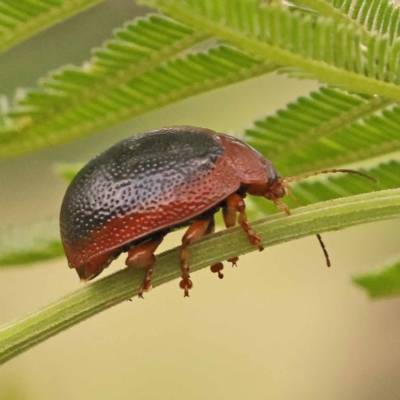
(385, 283)
(373, 15)
(50, 250)
(138, 71)
(351, 46)
(68, 171)
(337, 54)
(22, 19)
(326, 129)
(22, 245)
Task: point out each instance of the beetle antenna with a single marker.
(328, 171)
(328, 261)
(281, 206)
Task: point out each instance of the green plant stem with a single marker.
(43, 21)
(22, 334)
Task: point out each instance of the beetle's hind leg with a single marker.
(196, 230)
(142, 256)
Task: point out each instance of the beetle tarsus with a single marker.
(186, 284)
(195, 231)
(234, 261)
(146, 285)
(217, 268)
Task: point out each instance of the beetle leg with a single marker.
(142, 256)
(234, 204)
(195, 231)
(230, 218)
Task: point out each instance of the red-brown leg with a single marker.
(142, 256)
(230, 218)
(195, 231)
(234, 204)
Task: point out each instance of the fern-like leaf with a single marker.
(22, 19)
(137, 48)
(337, 54)
(382, 16)
(328, 128)
(135, 73)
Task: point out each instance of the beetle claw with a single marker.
(186, 284)
(217, 268)
(234, 261)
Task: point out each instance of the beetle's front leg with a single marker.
(235, 203)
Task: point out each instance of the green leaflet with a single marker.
(336, 54)
(385, 283)
(22, 19)
(380, 16)
(328, 128)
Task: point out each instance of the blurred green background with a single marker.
(280, 326)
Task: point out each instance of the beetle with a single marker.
(130, 196)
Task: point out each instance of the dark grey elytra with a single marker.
(121, 177)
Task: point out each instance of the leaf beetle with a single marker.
(130, 196)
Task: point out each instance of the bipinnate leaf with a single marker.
(309, 46)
